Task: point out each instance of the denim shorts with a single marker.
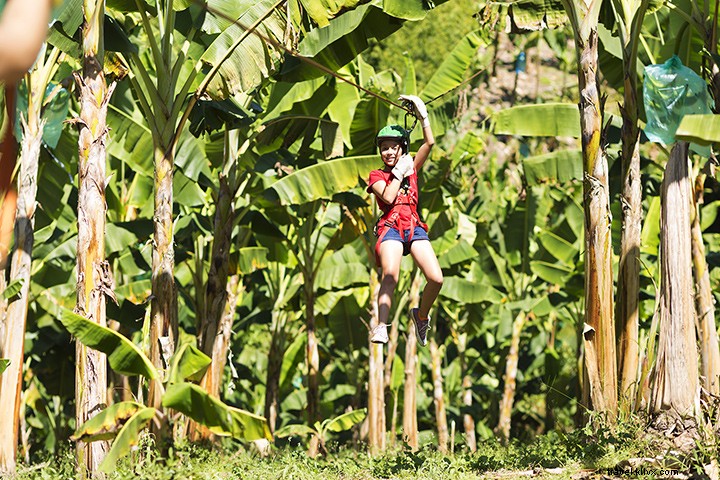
(394, 234)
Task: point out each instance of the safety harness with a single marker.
(393, 218)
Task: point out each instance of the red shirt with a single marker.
(406, 201)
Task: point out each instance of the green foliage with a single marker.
(124, 357)
(445, 25)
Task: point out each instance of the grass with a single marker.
(587, 449)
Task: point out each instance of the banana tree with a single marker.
(43, 106)
(583, 16)
(675, 386)
(94, 278)
(125, 421)
(629, 15)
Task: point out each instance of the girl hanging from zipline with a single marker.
(400, 230)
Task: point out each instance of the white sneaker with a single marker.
(379, 333)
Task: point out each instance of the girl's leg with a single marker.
(424, 256)
(390, 257)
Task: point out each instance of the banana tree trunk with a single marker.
(313, 367)
(164, 323)
(675, 386)
(376, 390)
(598, 246)
(468, 420)
(16, 315)
(707, 332)
(410, 426)
(510, 377)
(94, 279)
(212, 382)
(629, 275)
(438, 396)
(274, 369)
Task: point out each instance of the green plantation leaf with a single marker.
(188, 363)
(533, 15)
(324, 179)
(650, 236)
(397, 377)
(220, 418)
(250, 259)
(128, 437)
(467, 148)
(136, 292)
(461, 290)
(345, 421)
(708, 214)
(700, 129)
(13, 289)
(294, 430)
(4, 363)
(540, 120)
(322, 11)
(293, 357)
(336, 277)
(458, 253)
(371, 114)
(559, 166)
(107, 423)
(551, 272)
(253, 60)
(451, 71)
(560, 248)
(55, 112)
(123, 355)
(340, 42)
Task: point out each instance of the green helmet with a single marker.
(394, 132)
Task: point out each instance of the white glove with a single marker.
(404, 167)
(420, 109)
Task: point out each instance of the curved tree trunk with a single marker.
(16, 317)
(376, 390)
(276, 355)
(410, 427)
(675, 385)
(313, 367)
(467, 383)
(439, 396)
(629, 275)
(511, 368)
(598, 246)
(707, 332)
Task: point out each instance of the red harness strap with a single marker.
(392, 219)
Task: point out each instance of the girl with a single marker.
(400, 230)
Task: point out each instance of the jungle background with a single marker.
(195, 209)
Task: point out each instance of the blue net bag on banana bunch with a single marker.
(671, 91)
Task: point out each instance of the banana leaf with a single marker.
(188, 363)
(4, 363)
(108, 422)
(540, 120)
(461, 290)
(123, 355)
(338, 43)
(700, 129)
(249, 259)
(220, 418)
(451, 71)
(559, 166)
(253, 60)
(294, 430)
(128, 437)
(324, 179)
(345, 421)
